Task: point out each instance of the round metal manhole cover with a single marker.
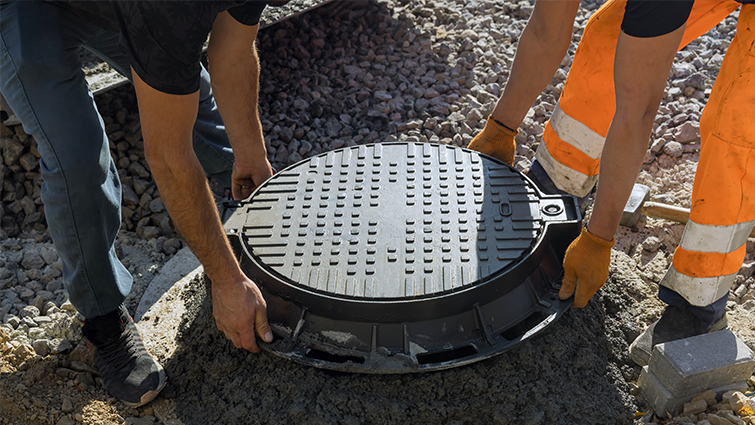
(402, 257)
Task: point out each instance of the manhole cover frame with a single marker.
(337, 333)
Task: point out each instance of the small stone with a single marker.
(651, 244)
(673, 149)
(657, 146)
(29, 311)
(28, 161)
(22, 353)
(64, 372)
(32, 260)
(137, 169)
(151, 232)
(736, 400)
(383, 96)
(688, 132)
(42, 320)
(67, 306)
(156, 205)
(695, 407)
(475, 115)
(66, 420)
(709, 396)
(58, 345)
(12, 320)
(49, 308)
(86, 378)
(42, 347)
(130, 198)
(80, 366)
(714, 419)
(67, 406)
(734, 419)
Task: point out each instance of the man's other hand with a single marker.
(585, 267)
(240, 313)
(245, 179)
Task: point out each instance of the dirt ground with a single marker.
(577, 373)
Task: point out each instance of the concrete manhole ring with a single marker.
(403, 257)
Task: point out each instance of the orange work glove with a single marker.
(585, 267)
(495, 140)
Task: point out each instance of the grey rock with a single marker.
(32, 260)
(58, 346)
(29, 311)
(28, 161)
(689, 132)
(156, 205)
(12, 320)
(41, 347)
(12, 151)
(130, 198)
(673, 149)
(137, 169)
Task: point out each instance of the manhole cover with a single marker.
(403, 257)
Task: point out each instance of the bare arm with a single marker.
(641, 68)
(234, 69)
(167, 122)
(544, 43)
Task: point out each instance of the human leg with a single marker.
(43, 83)
(723, 205)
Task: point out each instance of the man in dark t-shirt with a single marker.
(158, 44)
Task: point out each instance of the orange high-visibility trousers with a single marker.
(723, 196)
(723, 208)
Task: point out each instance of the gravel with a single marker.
(345, 74)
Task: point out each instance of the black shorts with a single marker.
(644, 18)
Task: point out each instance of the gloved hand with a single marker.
(495, 140)
(585, 267)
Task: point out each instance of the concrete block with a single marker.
(695, 364)
(663, 401)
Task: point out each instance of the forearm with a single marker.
(544, 43)
(187, 198)
(640, 71)
(620, 164)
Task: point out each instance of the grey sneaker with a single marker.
(127, 369)
(675, 323)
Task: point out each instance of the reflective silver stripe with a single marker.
(719, 239)
(699, 291)
(566, 179)
(577, 134)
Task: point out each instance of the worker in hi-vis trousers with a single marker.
(601, 126)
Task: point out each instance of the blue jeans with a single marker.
(41, 78)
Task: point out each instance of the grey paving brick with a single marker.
(695, 364)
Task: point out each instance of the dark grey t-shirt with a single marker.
(163, 39)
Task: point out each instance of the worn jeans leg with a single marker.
(41, 77)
